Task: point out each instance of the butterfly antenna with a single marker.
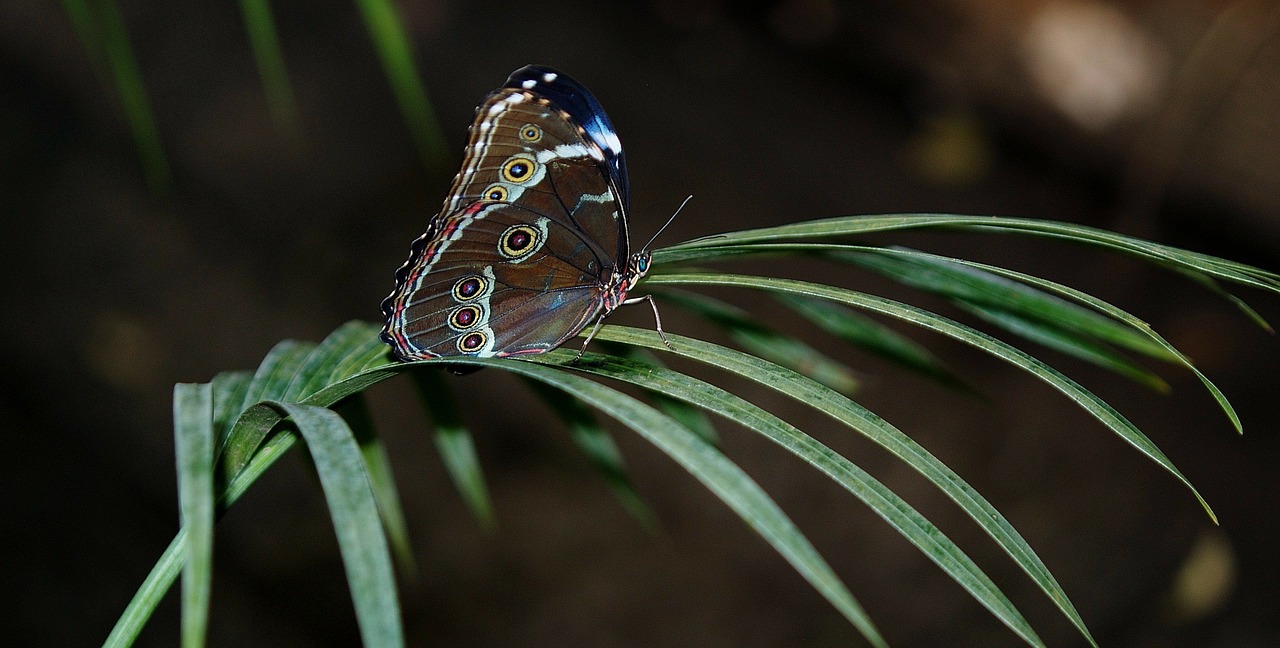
(664, 226)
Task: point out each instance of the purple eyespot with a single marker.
(467, 288)
(472, 342)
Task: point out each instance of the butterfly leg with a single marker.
(595, 329)
(656, 317)
(600, 322)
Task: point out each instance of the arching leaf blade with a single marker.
(599, 447)
(454, 443)
(1098, 305)
(987, 291)
(724, 478)
(193, 442)
(317, 369)
(271, 380)
(344, 478)
(883, 501)
(689, 416)
(1098, 408)
(866, 333)
(766, 342)
(875, 429)
(1055, 338)
(354, 410)
(843, 226)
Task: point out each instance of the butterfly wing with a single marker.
(583, 109)
(533, 228)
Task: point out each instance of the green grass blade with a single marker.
(1130, 320)
(193, 440)
(345, 481)
(1055, 338)
(723, 477)
(884, 502)
(689, 416)
(352, 503)
(149, 594)
(844, 226)
(265, 43)
(1103, 307)
(166, 570)
(1098, 408)
(270, 381)
(454, 443)
(327, 362)
(266, 456)
(1113, 312)
(383, 482)
(352, 384)
(101, 28)
(264, 419)
(187, 402)
(969, 285)
(394, 50)
(243, 442)
(1217, 289)
(351, 359)
(229, 388)
(766, 342)
(601, 450)
(355, 411)
(864, 332)
(361, 350)
(274, 377)
(875, 429)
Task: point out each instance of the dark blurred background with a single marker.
(1158, 119)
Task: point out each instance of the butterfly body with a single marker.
(531, 246)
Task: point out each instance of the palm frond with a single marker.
(235, 427)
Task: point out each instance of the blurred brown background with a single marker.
(1160, 119)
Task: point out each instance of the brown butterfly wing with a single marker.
(519, 258)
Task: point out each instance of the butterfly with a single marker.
(531, 246)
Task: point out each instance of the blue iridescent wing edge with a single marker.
(582, 106)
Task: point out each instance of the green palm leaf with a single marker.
(893, 509)
(234, 428)
(1086, 399)
(453, 441)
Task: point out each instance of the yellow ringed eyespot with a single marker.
(530, 133)
(464, 317)
(518, 169)
(496, 193)
(518, 240)
(467, 288)
(472, 342)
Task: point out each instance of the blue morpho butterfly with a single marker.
(531, 245)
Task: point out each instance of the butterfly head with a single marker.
(624, 279)
(638, 267)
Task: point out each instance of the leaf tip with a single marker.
(1213, 517)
